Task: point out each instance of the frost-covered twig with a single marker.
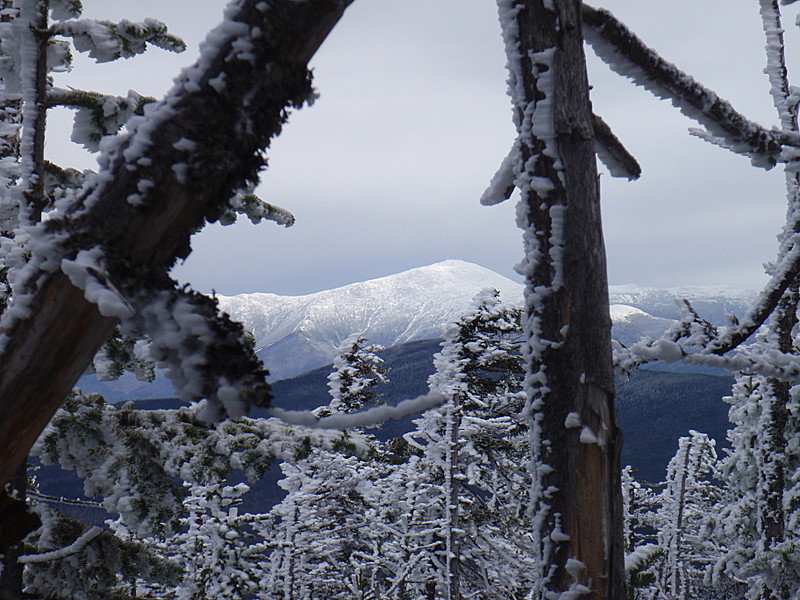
(367, 418)
(255, 209)
(75, 547)
(204, 351)
(628, 55)
(609, 149)
(105, 41)
(771, 363)
(616, 158)
(97, 115)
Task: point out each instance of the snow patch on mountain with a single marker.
(623, 312)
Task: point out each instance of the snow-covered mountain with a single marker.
(712, 302)
(297, 333)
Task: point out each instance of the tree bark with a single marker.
(48, 346)
(577, 492)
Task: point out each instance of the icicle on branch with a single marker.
(628, 55)
(176, 168)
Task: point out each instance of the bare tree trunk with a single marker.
(34, 118)
(773, 477)
(576, 441)
(452, 511)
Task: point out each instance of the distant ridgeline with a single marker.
(655, 407)
(296, 336)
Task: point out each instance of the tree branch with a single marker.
(609, 149)
(628, 55)
(607, 146)
(176, 168)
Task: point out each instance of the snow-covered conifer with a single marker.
(740, 525)
(689, 498)
(68, 560)
(217, 548)
(468, 521)
(357, 369)
(320, 528)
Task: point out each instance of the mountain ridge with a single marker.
(295, 334)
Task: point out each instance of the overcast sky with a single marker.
(384, 172)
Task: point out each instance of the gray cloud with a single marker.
(384, 172)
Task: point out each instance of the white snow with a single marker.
(367, 418)
(623, 312)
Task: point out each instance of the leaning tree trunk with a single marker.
(227, 131)
(576, 442)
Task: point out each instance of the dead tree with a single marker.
(576, 441)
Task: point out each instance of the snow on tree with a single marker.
(320, 527)
(132, 461)
(464, 528)
(68, 560)
(689, 497)
(356, 371)
(742, 525)
(763, 398)
(32, 49)
(116, 239)
(574, 437)
(321, 523)
(217, 548)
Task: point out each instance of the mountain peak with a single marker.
(298, 333)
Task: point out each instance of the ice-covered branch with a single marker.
(97, 115)
(204, 351)
(628, 55)
(176, 168)
(255, 209)
(776, 64)
(502, 184)
(366, 418)
(770, 363)
(105, 41)
(616, 158)
(75, 547)
(609, 149)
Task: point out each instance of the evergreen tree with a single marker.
(357, 369)
(689, 497)
(321, 522)
(217, 547)
(321, 527)
(38, 38)
(746, 471)
(470, 508)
